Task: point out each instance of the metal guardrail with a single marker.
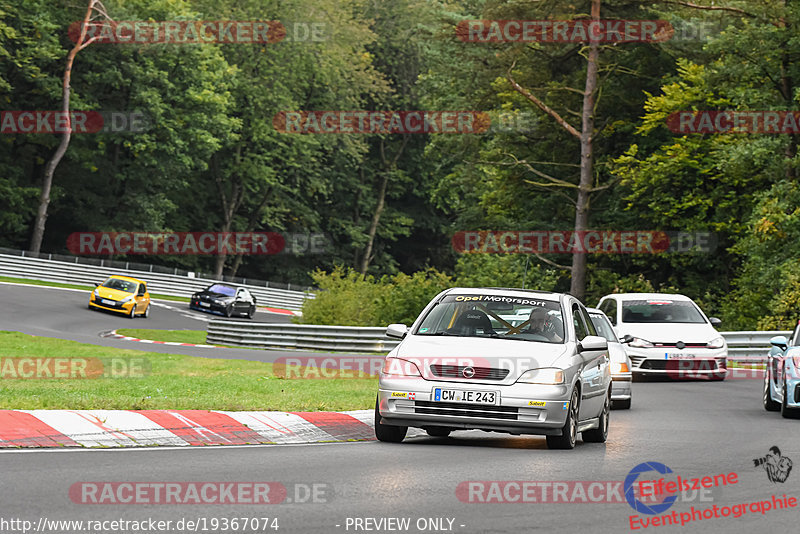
(750, 346)
(745, 347)
(315, 337)
(157, 282)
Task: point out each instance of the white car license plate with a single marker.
(466, 396)
(107, 302)
(205, 304)
(679, 356)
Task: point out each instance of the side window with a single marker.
(609, 307)
(142, 289)
(246, 294)
(795, 339)
(577, 321)
(589, 324)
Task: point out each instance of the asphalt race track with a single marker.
(62, 313)
(695, 428)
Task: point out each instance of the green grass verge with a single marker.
(171, 382)
(14, 280)
(198, 337)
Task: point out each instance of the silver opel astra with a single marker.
(499, 360)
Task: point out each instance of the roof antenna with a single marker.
(525, 276)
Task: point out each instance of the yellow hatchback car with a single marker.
(121, 294)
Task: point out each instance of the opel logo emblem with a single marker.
(468, 372)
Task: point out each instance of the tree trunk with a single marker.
(373, 226)
(578, 280)
(50, 168)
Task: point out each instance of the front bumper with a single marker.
(523, 408)
(211, 308)
(621, 386)
(694, 361)
(117, 306)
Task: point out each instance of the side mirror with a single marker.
(627, 339)
(96, 284)
(715, 321)
(779, 341)
(593, 343)
(396, 330)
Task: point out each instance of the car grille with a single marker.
(481, 373)
(687, 345)
(636, 361)
(466, 410)
(114, 303)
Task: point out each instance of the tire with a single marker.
(438, 431)
(132, 314)
(229, 311)
(599, 434)
(786, 412)
(569, 432)
(769, 404)
(621, 404)
(251, 312)
(388, 433)
(146, 313)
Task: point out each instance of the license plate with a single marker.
(107, 302)
(205, 304)
(466, 396)
(678, 356)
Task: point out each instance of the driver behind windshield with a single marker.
(542, 324)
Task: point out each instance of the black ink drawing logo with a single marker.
(777, 467)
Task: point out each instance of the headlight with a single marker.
(96, 292)
(619, 367)
(716, 343)
(640, 343)
(542, 376)
(399, 367)
(126, 299)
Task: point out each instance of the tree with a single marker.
(94, 9)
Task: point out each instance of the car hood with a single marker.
(114, 294)
(516, 356)
(670, 332)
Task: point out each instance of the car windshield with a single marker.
(603, 327)
(120, 285)
(660, 311)
(228, 291)
(496, 316)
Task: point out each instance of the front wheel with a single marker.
(388, 433)
(621, 404)
(229, 311)
(599, 434)
(786, 411)
(769, 404)
(251, 312)
(132, 314)
(147, 311)
(569, 432)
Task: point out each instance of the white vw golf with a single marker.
(500, 360)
